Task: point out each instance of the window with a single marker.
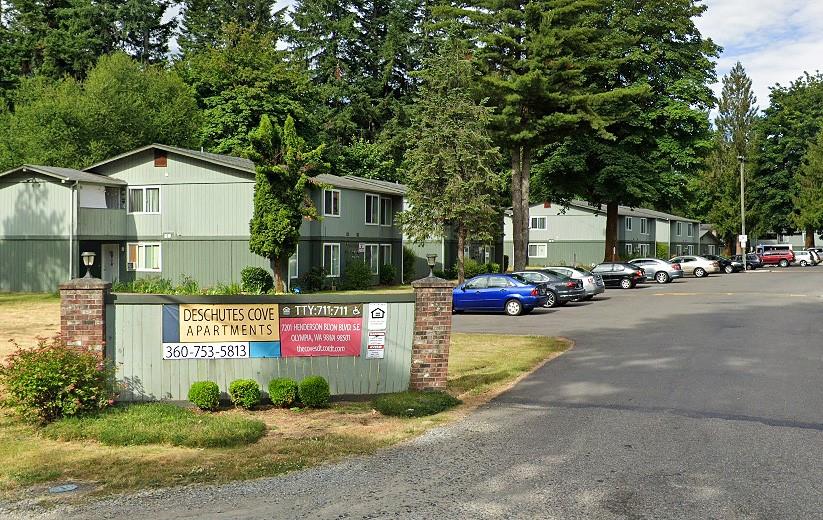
(466, 252)
(679, 249)
(711, 249)
(644, 249)
(628, 223)
(537, 223)
(603, 268)
(386, 216)
(371, 258)
(145, 199)
(143, 257)
(114, 197)
(690, 250)
(385, 254)
(690, 229)
(679, 228)
(487, 254)
(331, 203)
(294, 262)
(629, 249)
(496, 282)
(372, 209)
(331, 259)
(481, 282)
(538, 251)
(644, 226)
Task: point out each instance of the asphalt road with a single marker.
(701, 399)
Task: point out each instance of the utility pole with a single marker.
(743, 236)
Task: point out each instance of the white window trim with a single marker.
(645, 249)
(383, 256)
(323, 260)
(380, 210)
(365, 213)
(628, 224)
(138, 268)
(689, 229)
(296, 263)
(629, 249)
(690, 250)
(679, 229)
(539, 219)
(644, 223)
(143, 189)
(339, 199)
(540, 247)
(372, 247)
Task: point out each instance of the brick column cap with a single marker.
(85, 283)
(432, 282)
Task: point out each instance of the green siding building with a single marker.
(169, 212)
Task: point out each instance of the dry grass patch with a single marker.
(25, 317)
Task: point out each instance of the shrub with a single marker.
(414, 404)
(357, 276)
(314, 392)
(205, 395)
(662, 251)
(283, 392)
(187, 285)
(256, 280)
(313, 280)
(387, 274)
(471, 268)
(54, 380)
(492, 267)
(245, 393)
(151, 285)
(223, 289)
(409, 261)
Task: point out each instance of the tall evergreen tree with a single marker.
(144, 34)
(203, 21)
(808, 201)
(452, 182)
(280, 191)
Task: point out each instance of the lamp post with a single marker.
(743, 238)
(431, 260)
(88, 261)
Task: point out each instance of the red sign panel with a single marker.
(320, 336)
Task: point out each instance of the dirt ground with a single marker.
(25, 317)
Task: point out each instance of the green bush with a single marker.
(205, 395)
(151, 285)
(414, 404)
(54, 380)
(387, 274)
(223, 289)
(409, 262)
(245, 393)
(313, 281)
(492, 267)
(662, 251)
(256, 280)
(283, 392)
(314, 392)
(471, 268)
(187, 285)
(357, 276)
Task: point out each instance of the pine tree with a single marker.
(203, 21)
(144, 35)
(280, 191)
(451, 178)
(808, 201)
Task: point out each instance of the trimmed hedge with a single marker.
(283, 392)
(256, 280)
(245, 393)
(314, 392)
(205, 395)
(414, 404)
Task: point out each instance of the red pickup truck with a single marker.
(781, 258)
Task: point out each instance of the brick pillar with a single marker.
(83, 314)
(432, 333)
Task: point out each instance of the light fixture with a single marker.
(431, 260)
(88, 261)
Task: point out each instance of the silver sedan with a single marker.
(592, 283)
(658, 270)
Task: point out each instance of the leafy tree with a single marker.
(809, 198)
(369, 160)
(790, 124)
(452, 183)
(203, 21)
(280, 198)
(239, 80)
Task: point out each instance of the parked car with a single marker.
(560, 289)
(620, 274)
(697, 265)
(498, 293)
(658, 270)
(727, 265)
(805, 258)
(783, 258)
(592, 282)
(752, 261)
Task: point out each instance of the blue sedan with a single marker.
(508, 293)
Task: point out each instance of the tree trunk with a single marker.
(611, 253)
(730, 248)
(809, 241)
(279, 287)
(461, 246)
(521, 165)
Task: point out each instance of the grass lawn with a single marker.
(111, 453)
(26, 316)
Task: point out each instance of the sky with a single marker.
(775, 40)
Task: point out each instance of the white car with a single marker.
(592, 283)
(696, 265)
(806, 258)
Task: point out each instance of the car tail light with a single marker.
(534, 292)
(716, 264)
(571, 284)
(639, 273)
(590, 279)
(677, 267)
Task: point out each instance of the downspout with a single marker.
(73, 229)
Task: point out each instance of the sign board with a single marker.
(744, 239)
(378, 316)
(361, 247)
(376, 345)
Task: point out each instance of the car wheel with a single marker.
(749, 267)
(803, 263)
(700, 272)
(661, 277)
(729, 269)
(784, 263)
(626, 283)
(514, 308)
(551, 301)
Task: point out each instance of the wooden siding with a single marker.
(33, 265)
(34, 209)
(139, 170)
(583, 252)
(134, 344)
(101, 223)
